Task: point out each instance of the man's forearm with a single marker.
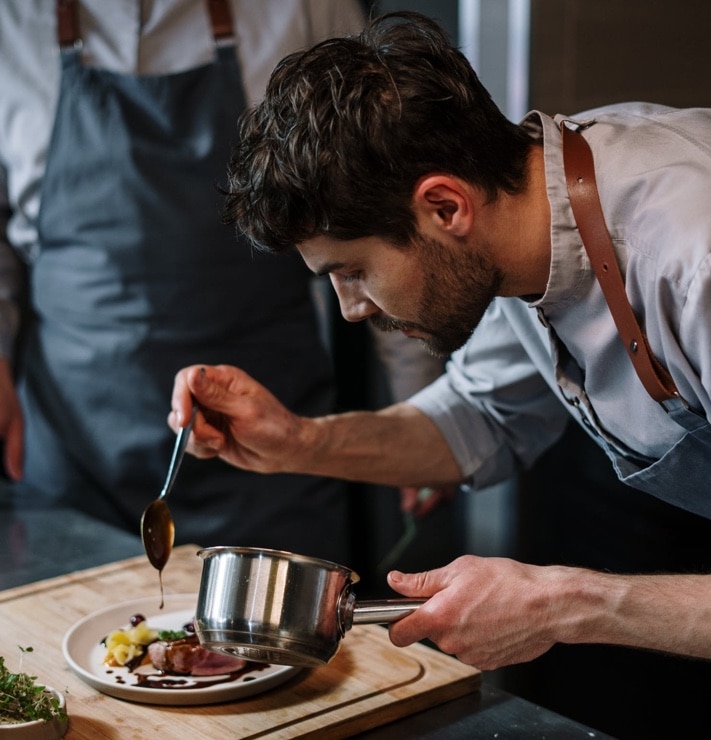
(669, 613)
(396, 446)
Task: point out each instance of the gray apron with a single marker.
(138, 277)
(680, 477)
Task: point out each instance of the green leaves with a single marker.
(22, 699)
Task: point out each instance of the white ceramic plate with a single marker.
(85, 654)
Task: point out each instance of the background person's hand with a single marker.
(11, 424)
(421, 501)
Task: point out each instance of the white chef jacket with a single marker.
(129, 37)
(529, 365)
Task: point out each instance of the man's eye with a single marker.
(350, 277)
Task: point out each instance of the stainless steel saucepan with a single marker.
(271, 606)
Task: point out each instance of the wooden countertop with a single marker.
(368, 683)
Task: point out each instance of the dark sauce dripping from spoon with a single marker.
(157, 528)
(158, 533)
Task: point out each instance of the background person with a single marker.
(110, 157)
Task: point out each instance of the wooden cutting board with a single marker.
(368, 683)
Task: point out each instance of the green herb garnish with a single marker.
(167, 635)
(23, 700)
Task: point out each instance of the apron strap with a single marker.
(585, 202)
(221, 19)
(68, 23)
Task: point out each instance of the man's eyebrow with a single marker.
(330, 267)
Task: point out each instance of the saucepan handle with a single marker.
(378, 611)
(381, 611)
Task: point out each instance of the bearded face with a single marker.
(455, 292)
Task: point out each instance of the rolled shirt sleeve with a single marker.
(493, 406)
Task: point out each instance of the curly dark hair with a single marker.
(347, 128)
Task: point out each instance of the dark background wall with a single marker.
(586, 54)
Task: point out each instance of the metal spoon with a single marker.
(157, 528)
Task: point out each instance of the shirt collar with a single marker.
(570, 268)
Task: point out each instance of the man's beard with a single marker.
(456, 291)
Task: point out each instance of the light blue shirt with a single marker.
(508, 392)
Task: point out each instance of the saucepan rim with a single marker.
(284, 554)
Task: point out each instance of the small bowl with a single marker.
(39, 729)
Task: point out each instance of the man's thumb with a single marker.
(411, 584)
(209, 387)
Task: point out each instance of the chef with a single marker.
(436, 216)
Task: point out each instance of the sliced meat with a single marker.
(188, 657)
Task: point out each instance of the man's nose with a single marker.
(355, 303)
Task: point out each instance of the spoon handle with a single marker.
(181, 443)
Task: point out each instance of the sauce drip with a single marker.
(158, 533)
(147, 678)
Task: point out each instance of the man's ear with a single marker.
(444, 202)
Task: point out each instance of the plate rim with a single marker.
(175, 697)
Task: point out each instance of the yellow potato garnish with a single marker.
(122, 646)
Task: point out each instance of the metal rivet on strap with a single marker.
(633, 346)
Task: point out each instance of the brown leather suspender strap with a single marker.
(221, 19)
(585, 202)
(67, 22)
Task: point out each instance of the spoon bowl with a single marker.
(157, 532)
(157, 528)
